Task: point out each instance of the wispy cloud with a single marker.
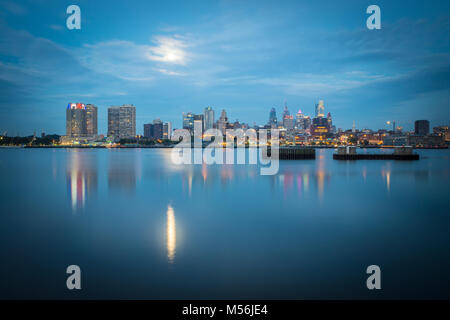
(14, 8)
(171, 50)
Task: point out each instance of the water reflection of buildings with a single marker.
(301, 181)
(171, 234)
(386, 174)
(81, 178)
(122, 171)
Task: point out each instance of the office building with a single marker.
(148, 130)
(208, 117)
(167, 130)
(223, 122)
(273, 123)
(188, 121)
(422, 127)
(91, 120)
(157, 129)
(320, 109)
(122, 121)
(299, 120)
(76, 120)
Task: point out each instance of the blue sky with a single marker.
(166, 57)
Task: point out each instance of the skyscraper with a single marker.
(188, 121)
(167, 130)
(273, 118)
(91, 120)
(76, 120)
(223, 122)
(320, 125)
(288, 120)
(122, 121)
(422, 127)
(299, 120)
(208, 117)
(148, 130)
(320, 109)
(329, 120)
(307, 122)
(286, 111)
(157, 129)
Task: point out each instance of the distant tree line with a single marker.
(146, 141)
(30, 140)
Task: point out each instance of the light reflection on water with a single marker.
(243, 235)
(171, 234)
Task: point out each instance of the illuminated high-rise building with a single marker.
(91, 120)
(321, 126)
(286, 111)
(299, 121)
(167, 130)
(329, 120)
(208, 118)
(223, 122)
(122, 121)
(320, 109)
(188, 121)
(157, 129)
(273, 122)
(76, 120)
(288, 120)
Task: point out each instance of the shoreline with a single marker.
(172, 146)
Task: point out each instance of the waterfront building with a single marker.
(421, 127)
(188, 121)
(122, 121)
(199, 118)
(442, 131)
(208, 117)
(429, 140)
(157, 129)
(167, 130)
(148, 130)
(76, 120)
(91, 120)
(395, 140)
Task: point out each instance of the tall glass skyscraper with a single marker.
(273, 118)
(208, 117)
(188, 121)
(320, 109)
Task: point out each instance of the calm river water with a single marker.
(141, 227)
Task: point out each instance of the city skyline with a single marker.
(244, 60)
